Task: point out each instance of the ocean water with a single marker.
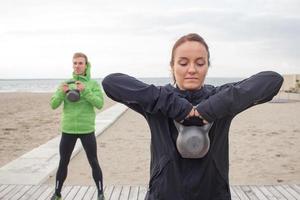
(50, 85)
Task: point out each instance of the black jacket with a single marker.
(173, 177)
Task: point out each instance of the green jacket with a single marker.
(79, 117)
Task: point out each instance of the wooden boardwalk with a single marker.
(41, 192)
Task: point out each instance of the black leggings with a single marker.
(66, 147)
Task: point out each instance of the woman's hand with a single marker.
(195, 113)
(191, 114)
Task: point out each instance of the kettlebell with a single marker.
(73, 94)
(193, 141)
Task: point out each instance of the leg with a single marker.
(66, 147)
(90, 146)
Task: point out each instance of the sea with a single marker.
(50, 85)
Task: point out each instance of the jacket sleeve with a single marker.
(57, 98)
(234, 98)
(145, 98)
(94, 95)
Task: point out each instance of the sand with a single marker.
(123, 152)
(264, 142)
(264, 149)
(26, 122)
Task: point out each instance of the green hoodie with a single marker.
(79, 117)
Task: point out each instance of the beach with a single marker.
(264, 142)
(26, 122)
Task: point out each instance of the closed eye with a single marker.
(183, 62)
(200, 64)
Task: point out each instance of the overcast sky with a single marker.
(38, 38)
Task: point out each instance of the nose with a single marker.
(192, 68)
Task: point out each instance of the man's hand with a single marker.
(65, 87)
(80, 86)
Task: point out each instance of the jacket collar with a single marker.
(191, 95)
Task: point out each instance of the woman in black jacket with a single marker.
(190, 102)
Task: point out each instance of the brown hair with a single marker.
(189, 37)
(82, 55)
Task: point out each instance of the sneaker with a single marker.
(101, 197)
(55, 197)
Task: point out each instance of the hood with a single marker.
(87, 75)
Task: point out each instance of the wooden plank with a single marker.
(23, 190)
(65, 191)
(116, 193)
(134, 191)
(29, 193)
(37, 193)
(249, 192)
(108, 191)
(234, 195)
(240, 193)
(2, 187)
(71, 195)
(296, 188)
(7, 190)
(125, 192)
(284, 192)
(291, 191)
(142, 192)
(258, 193)
(267, 193)
(13, 192)
(43, 192)
(82, 190)
(275, 192)
(90, 193)
(47, 193)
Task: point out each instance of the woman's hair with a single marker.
(82, 55)
(194, 37)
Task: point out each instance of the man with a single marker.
(79, 96)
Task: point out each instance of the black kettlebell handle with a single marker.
(193, 121)
(71, 82)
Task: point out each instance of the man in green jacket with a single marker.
(78, 121)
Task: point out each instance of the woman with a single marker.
(173, 176)
(79, 95)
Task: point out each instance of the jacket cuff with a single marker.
(186, 111)
(86, 92)
(203, 110)
(61, 94)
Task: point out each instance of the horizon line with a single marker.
(103, 77)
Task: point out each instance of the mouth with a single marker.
(191, 78)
